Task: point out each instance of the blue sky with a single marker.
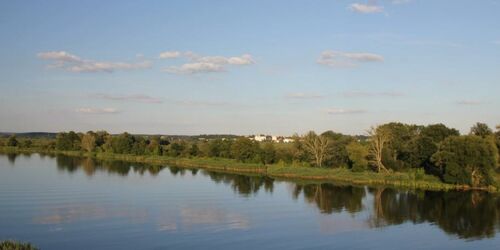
(245, 67)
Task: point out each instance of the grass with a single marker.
(412, 180)
(14, 245)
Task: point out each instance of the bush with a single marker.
(467, 160)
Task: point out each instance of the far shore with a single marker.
(337, 175)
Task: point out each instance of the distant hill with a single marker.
(168, 137)
(30, 134)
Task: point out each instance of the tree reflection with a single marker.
(90, 166)
(330, 198)
(471, 215)
(243, 185)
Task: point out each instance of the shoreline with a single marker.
(405, 180)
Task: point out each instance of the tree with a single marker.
(358, 155)
(194, 150)
(154, 147)
(89, 141)
(467, 160)
(337, 152)
(27, 143)
(68, 141)
(379, 137)
(219, 148)
(397, 152)
(317, 146)
(245, 150)
(268, 153)
(481, 129)
(122, 144)
(12, 141)
(176, 149)
(438, 132)
(421, 150)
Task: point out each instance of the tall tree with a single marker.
(481, 129)
(317, 146)
(89, 141)
(379, 137)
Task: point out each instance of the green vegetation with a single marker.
(14, 245)
(433, 156)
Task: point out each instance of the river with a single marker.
(61, 202)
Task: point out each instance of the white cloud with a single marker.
(59, 56)
(355, 94)
(401, 1)
(347, 59)
(134, 98)
(497, 42)
(207, 64)
(97, 111)
(304, 96)
(193, 68)
(469, 102)
(169, 54)
(73, 63)
(338, 111)
(365, 8)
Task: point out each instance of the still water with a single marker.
(59, 202)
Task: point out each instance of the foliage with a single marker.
(337, 155)
(481, 129)
(12, 141)
(68, 141)
(467, 160)
(358, 155)
(245, 150)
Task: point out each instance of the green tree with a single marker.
(438, 132)
(176, 149)
(358, 155)
(154, 147)
(194, 150)
(421, 150)
(27, 143)
(245, 150)
(397, 153)
(219, 148)
(268, 153)
(481, 129)
(12, 141)
(68, 141)
(122, 144)
(337, 152)
(467, 160)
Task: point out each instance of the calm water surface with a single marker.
(59, 202)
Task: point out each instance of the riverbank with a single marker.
(408, 180)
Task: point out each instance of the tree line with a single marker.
(470, 159)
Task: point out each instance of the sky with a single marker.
(247, 67)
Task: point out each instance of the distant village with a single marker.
(259, 138)
(270, 138)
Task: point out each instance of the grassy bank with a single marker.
(397, 179)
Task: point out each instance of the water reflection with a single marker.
(91, 165)
(467, 215)
(330, 198)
